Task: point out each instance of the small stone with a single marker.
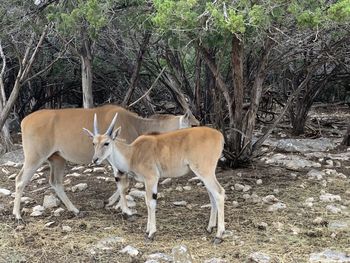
(78, 168)
(99, 170)
(37, 211)
(333, 209)
(215, 260)
(130, 251)
(109, 243)
(246, 197)
(259, 182)
(327, 197)
(180, 203)
(278, 226)
(295, 230)
(4, 192)
(50, 201)
(206, 206)
(66, 229)
(12, 176)
(26, 199)
(50, 224)
(328, 256)
(262, 226)
(79, 187)
(239, 187)
(156, 257)
(246, 188)
(179, 188)
(58, 211)
(139, 185)
(258, 257)
(293, 176)
(76, 175)
(5, 171)
(235, 204)
(41, 181)
(338, 225)
(269, 199)
(276, 207)
(166, 181)
(329, 163)
(315, 175)
(187, 188)
(137, 193)
(87, 171)
(319, 221)
(276, 191)
(181, 254)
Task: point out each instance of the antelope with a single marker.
(56, 136)
(170, 154)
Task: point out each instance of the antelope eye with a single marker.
(106, 144)
(93, 144)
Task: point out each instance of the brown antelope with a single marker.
(170, 154)
(56, 136)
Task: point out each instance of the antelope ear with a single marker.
(116, 133)
(89, 133)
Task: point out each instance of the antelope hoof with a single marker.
(20, 222)
(210, 230)
(150, 238)
(217, 240)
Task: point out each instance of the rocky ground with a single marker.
(290, 205)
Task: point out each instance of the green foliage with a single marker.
(70, 18)
(340, 11)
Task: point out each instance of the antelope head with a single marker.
(103, 143)
(188, 120)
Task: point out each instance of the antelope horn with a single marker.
(111, 126)
(95, 125)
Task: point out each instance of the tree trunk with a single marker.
(238, 90)
(197, 88)
(256, 96)
(137, 67)
(86, 70)
(346, 138)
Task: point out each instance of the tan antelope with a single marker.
(170, 154)
(56, 136)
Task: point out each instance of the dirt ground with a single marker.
(290, 235)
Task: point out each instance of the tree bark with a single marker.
(256, 96)
(137, 67)
(197, 88)
(346, 138)
(86, 70)
(238, 91)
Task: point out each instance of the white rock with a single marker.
(156, 257)
(206, 206)
(180, 203)
(258, 257)
(12, 176)
(4, 192)
(179, 188)
(166, 181)
(215, 260)
(235, 204)
(87, 171)
(109, 243)
(239, 187)
(269, 199)
(12, 164)
(37, 210)
(315, 175)
(181, 254)
(328, 256)
(278, 225)
(139, 185)
(319, 221)
(41, 181)
(5, 171)
(137, 193)
(50, 201)
(333, 209)
(66, 228)
(79, 187)
(327, 197)
(99, 170)
(246, 188)
(49, 224)
(259, 182)
(329, 163)
(26, 199)
(130, 250)
(187, 188)
(276, 207)
(78, 168)
(58, 211)
(74, 175)
(102, 178)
